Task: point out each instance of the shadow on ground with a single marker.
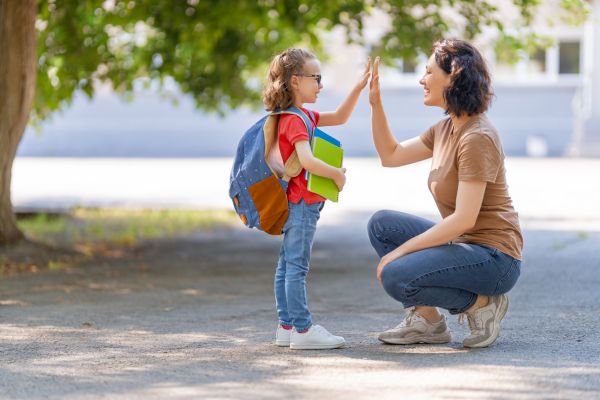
(194, 318)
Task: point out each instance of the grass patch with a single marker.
(124, 227)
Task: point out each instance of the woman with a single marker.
(468, 261)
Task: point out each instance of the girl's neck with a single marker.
(297, 103)
(296, 100)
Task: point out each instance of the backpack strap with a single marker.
(292, 166)
(312, 117)
(308, 121)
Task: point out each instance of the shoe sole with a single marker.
(495, 328)
(316, 347)
(419, 340)
(282, 344)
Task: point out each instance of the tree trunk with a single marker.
(17, 87)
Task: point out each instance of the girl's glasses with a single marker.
(316, 76)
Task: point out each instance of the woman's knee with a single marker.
(376, 223)
(397, 284)
(396, 226)
(376, 229)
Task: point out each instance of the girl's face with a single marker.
(307, 85)
(434, 82)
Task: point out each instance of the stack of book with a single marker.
(329, 150)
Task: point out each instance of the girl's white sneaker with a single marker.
(316, 338)
(282, 336)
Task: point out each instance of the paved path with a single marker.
(193, 318)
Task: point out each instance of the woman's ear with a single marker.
(448, 81)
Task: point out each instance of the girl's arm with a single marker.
(343, 112)
(391, 153)
(469, 198)
(318, 167)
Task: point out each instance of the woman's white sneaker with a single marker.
(416, 329)
(485, 322)
(316, 338)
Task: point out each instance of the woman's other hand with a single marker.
(385, 260)
(374, 92)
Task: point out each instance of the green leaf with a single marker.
(217, 51)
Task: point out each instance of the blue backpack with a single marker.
(259, 179)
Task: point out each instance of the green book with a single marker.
(332, 155)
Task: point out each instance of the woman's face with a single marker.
(434, 82)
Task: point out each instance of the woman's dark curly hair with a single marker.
(470, 90)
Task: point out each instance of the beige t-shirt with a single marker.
(474, 153)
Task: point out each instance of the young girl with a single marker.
(294, 79)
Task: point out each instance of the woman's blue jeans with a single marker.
(292, 266)
(448, 276)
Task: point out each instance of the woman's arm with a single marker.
(318, 167)
(343, 112)
(469, 197)
(391, 153)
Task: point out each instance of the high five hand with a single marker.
(374, 93)
(365, 76)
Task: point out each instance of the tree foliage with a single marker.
(217, 50)
(211, 49)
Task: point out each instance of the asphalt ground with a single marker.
(198, 320)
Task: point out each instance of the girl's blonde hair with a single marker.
(278, 93)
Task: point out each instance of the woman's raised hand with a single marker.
(374, 93)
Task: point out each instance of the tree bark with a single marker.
(17, 88)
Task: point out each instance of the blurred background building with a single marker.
(547, 104)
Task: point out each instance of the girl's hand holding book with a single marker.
(340, 179)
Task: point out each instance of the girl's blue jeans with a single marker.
(293, 264)
(448, 276)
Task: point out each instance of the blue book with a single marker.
(330, 139)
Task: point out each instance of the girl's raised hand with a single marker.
(374, 93)
(365, 75)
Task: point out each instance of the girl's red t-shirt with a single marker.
(292, 130)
